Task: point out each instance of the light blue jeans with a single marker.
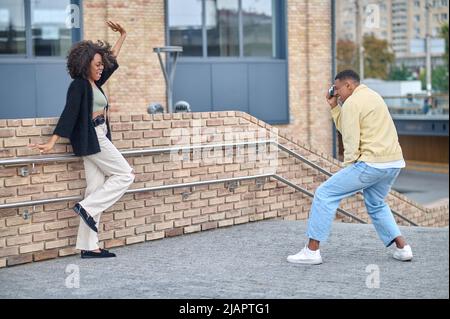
(375, 184)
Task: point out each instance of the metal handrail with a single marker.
(182, 185)
(131, 191)
(304, 191)
(71, 157)
(151, 151)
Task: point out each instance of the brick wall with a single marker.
(139, 80)
(309, 54)
(51, 230)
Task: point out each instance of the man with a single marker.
(373, 160)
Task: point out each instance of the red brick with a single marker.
(209, 225)
(46, 254)
(13, 241)
(9, 251)
(114, 242)
(174, 232)
(30, 248)
(6, 133)
(21, 259)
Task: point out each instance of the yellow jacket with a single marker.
(368, 131)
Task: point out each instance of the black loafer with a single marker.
(92, 254)
(89, 220)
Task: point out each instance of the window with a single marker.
(444, 16)
(222, 27)
(43, 32)
(226, 28)
(51, 36)
(417, 4)
(185, 25)
(417, 17)
(348, 24)
(12, 27)
(417, 36)
(258, 27)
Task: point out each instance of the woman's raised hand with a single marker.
(116, 27)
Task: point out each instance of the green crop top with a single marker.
(100, 101)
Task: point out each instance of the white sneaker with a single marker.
(403, 254)
(306, 256)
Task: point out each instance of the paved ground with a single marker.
(423, 187)
(246, 261)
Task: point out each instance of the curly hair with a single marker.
(82, 53)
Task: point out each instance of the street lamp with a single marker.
(169, 70)
(428, 6)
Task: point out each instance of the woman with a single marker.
(85, 122)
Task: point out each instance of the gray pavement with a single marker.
(423, 187)
(245, 261)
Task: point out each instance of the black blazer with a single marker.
(75, 121)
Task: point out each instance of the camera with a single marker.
(331, 91)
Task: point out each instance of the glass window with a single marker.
(12, 27)
(218, 30)
(185, 25)
(222, 25)
(51, 37)
(258, 24)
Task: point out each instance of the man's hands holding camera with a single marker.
(331, 97)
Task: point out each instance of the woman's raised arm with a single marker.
(123, 34)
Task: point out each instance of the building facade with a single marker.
(401, 22)
(271, 59)
(346, 13)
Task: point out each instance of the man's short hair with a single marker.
(348, 74)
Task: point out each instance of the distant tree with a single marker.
(346, 55)
(400, 74)
(444, 35)
(439, 79)
(439, 75)
(377, 58)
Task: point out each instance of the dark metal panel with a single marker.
(230, 87)
(52, 82)
(192, 84)
(17, 91)
(421, 127)
(268, 92)
(77, 33)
